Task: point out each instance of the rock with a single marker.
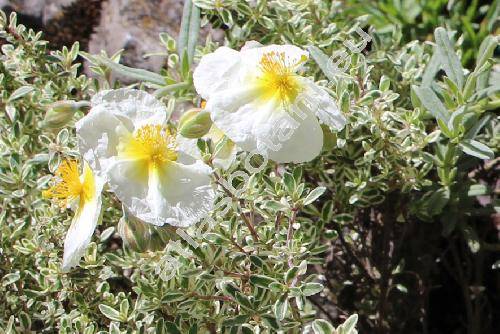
(43, 9)
(134, 25)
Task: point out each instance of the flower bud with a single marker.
(134, 233)
(142, 237)
(195, 123)
(61, 112)
(329, 138)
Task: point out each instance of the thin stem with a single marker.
(247, 222)
(289, 236)
(211, 297)
(250, 226)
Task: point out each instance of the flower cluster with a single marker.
(258, 101)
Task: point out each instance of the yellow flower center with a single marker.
(70, 186)
(151, 143)
(278, 77)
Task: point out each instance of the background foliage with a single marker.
(395, 221)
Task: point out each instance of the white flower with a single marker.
(125, 138)
(258, 99)
(83, 193)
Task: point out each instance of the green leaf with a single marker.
(10, 278)
(476, 149)
(437, 201)
(486, 50)
(280, 307)
(432, 103)
(243, 301)
(291, 274)
(172, 328)
(274, 205)
(314, 195)
(194, 30)
(133, 73)
(431, 70)
(182, 41)
(348, 327)
(289, 182)
(448, 57)
(173, 296)
(111, 313)
(170, 88)
(474, 130)
(320, 326)
(189, 31)
(477, 190)
(261, 281)
(235, 321)
(310, 289)
(20, 92)
(270, 321)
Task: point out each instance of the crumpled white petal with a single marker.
(216, 70)
(114, 113)
(136, 105)
(242, 105)
(82, 228)
(252, 54)
(120, 136)
(179, 195)
(281, 134)
(322, 104)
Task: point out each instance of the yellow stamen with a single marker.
(151, 143)
(70, 186)
(278, 77)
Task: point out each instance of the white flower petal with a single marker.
(82, 228)
(216, 71)
(239, 116)
(304, 139)
(98, 138)
(114, 114)
(188, 192)
(253, 55)
(179, 195)
(291, 135)
(136, 105)
(317, 100)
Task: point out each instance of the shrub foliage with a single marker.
(396, 211)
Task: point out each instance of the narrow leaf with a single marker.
(432, 103)
(194, 30)
(477, 149)
(133, 73)
(448, 57)
(320, 326)
(348, 327)
(110, 312)
(182, 42)
(431, 70)
(20, 92)
(314, 195)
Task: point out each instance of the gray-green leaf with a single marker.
(448, 57)
(314, 195)
(476, 149)
(432, 103)
(320, 326)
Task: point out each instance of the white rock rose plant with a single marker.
(211, 196)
